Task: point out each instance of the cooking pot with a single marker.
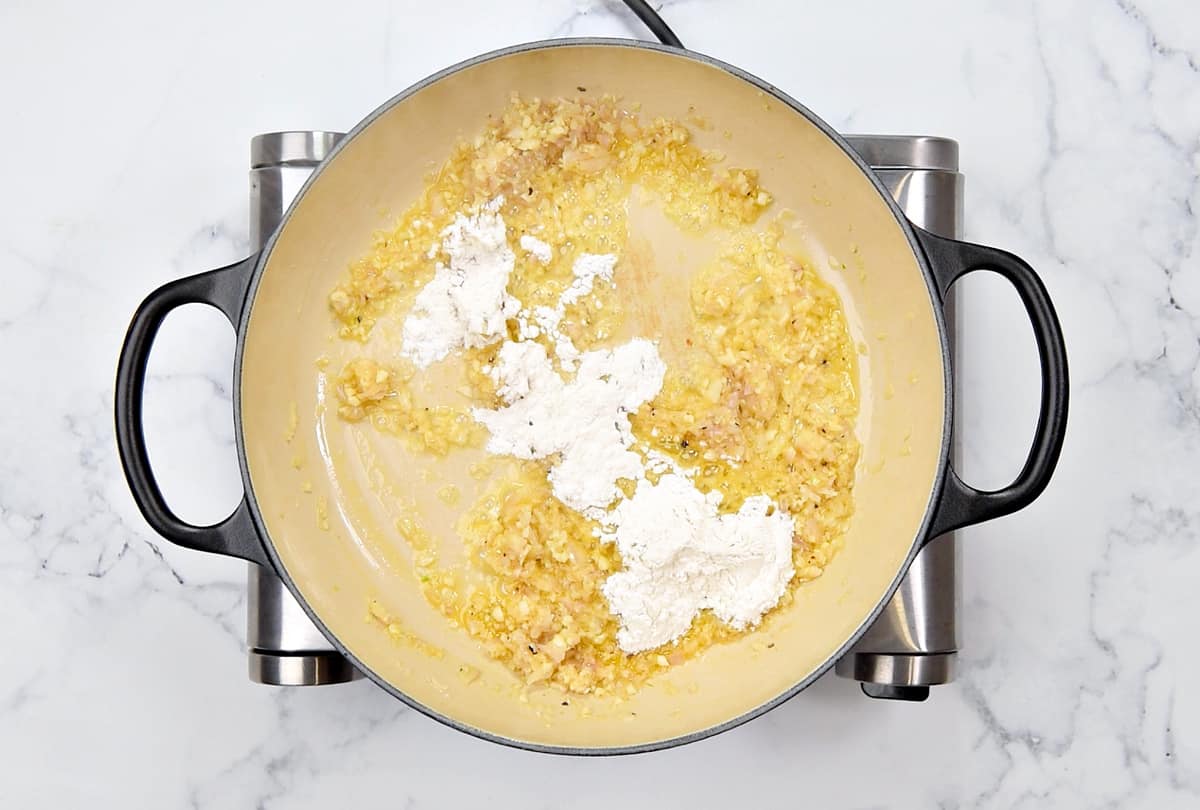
(313, 509)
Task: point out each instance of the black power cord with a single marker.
(654, 22)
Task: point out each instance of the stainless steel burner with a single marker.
(286, 648)
(910, 647)
(914, 642)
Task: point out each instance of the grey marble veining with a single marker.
(123, 672)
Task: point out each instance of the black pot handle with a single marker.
(962, 505)
(224, 289)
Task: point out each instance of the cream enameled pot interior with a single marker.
(840, 218)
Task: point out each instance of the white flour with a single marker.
(584, 421)
(539, 249)
(546, 320)
(587, 268)
(466, 303)
(680, 555)
(549, 320)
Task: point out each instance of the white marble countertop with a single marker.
(123, 676)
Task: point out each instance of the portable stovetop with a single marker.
(913, 643)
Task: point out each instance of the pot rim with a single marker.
(935, 489)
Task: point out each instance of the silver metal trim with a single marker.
(913, 642)
(898, 670)
(313, 669)
(286, 648)
(308, 147)
(907, 152)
